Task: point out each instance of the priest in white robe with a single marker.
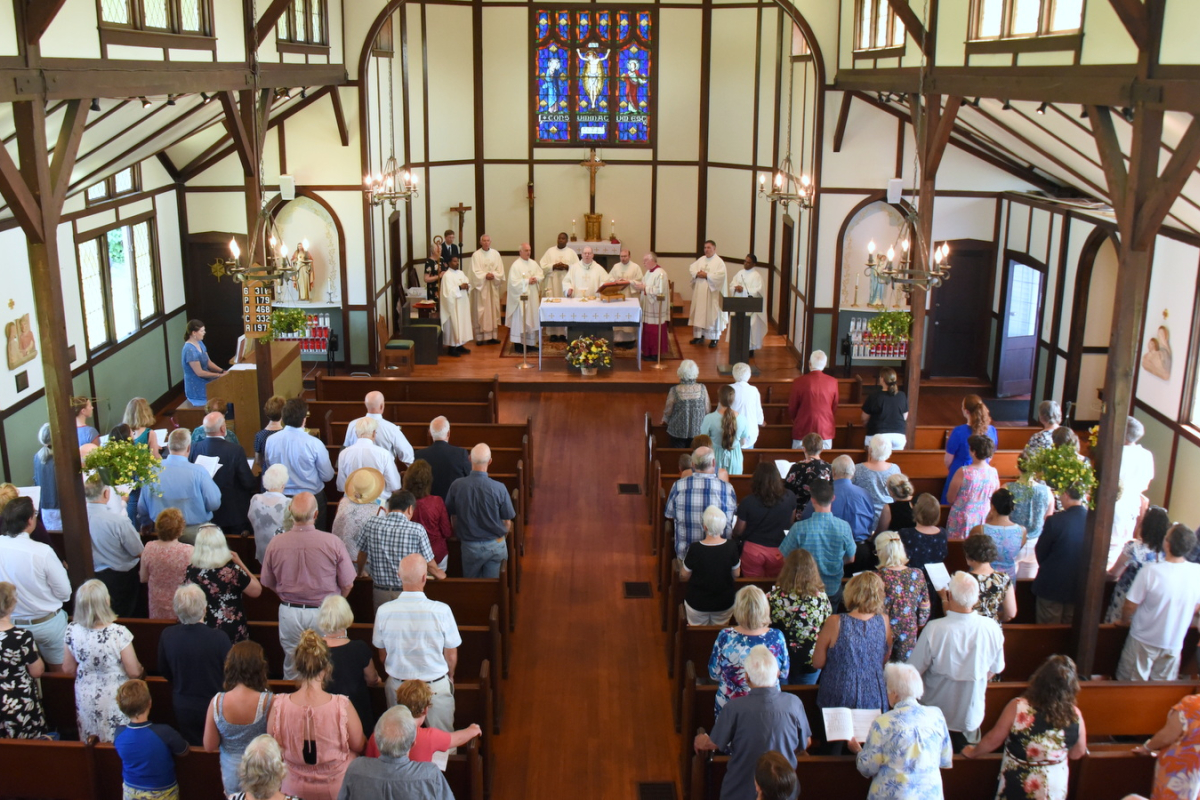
(708, 287)
(585, 278)
(656, 314)
(748, 283)
(626, 270)
(455, 308)
(555, 263)
(524, 278)
(487, 270)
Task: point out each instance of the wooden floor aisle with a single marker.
(587, 709)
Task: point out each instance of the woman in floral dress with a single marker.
(1147, 549)
(971, 489)
(997, 593)
(799, 607)
(1040, 731)
(808, 469)
(752, 618)
(21, 715)
(907, 599)
(1177, 745)
(224, 579)
(164, 563)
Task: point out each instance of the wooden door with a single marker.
(958, 314)
(1018, 330)
(784, 323)
(216, 303)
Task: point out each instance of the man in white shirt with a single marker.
(626, 270)
(556, 261)
(749, 283)
(956, 656)
(487, 270)
(387, 434)
(524, 278)
(364, 452)
(41, 581)
(418, 639)
(1159, 608)
(708, 287)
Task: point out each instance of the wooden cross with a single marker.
(461, 210)
(592, 165)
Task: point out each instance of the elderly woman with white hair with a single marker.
(43, 478)
(224, 578)
(262, 771)
(1050, 416)
(709, 568)
(353, 660)
(752, 626)
(907, 747)
(191, 656)
(872, 475)
(268, 510)
(394, 773)
(747, 402)
(99, 655)
(687, 405)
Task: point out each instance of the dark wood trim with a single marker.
(339, 116)
(913, 26)
(702, 164)
(167, 41)
(895, 51)
(839, 131)
(302, 48)
(1058, 42)
(95, 233)
(270, 17)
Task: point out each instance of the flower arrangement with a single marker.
(895, 324)
(285, 320)
(1094, 437)
(1060, 467)
(589, 351)
(123, 463)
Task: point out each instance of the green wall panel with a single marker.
(821, 341)
(1185, 500)
(176, 326)
(139, 370)
(20, 436)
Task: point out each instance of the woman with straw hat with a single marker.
(358, 504)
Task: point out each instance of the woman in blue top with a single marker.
(198, 368)
(978, 423)
(81, 407)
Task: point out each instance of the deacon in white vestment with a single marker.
(585, 278)
(524, 277)
(708, 287)
(626, 270)
(555, 263)
(656, 314)
(487, 270)
(748, 283)
(455, 308)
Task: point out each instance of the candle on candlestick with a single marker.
(612, 229)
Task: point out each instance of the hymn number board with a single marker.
(257, 298)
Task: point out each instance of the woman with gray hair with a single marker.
(747, 402)
(224, 578)
(262, 771)
(268, 509)
(99, 655)
(687, 405)
(43, 478)
(907, 747)
(191, 656)
(872, 475)
(1050, 417)
(752, 618)
(709, 568)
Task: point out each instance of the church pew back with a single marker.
(341, 412)
(46, 770)
(460, 390)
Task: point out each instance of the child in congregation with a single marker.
(147, 749)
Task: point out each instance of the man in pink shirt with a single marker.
(813, 403)
(304, 566)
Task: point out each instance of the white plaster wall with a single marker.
(505, 82)
(170, 251)
(1169, 304)
(451, 76)
(73, 32)
(623, 195)
(1105, 40)
(1101, 294)
(731, 95)
(730, 199)
(8, 31)
(679, 84)
(505, 196)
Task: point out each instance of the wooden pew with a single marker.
(452, 390)
(408, 414)
(850, 390)
(48, 770)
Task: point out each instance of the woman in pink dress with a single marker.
(971, 489)
(164, 563)
(319, 733)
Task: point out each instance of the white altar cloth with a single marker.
(569, 310)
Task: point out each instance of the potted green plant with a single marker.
(894, 325)
(285, 320)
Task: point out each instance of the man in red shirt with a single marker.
(813, 403)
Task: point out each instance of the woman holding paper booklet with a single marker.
(907, 747)
(224, 579)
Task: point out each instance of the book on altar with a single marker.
(613, 291)
(843, 723)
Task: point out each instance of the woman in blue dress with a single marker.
(978, 423)
(81, 407)
(198, 368)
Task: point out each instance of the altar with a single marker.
(576, 314)
(601, 248)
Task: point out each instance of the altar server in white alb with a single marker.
(656, 314)
(626, 270)
(748, 283)
(487, 271)
(585, 278)
(455, 308)
(524, 278)
(708, 287)
(555, 263)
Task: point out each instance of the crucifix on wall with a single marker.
(461, 210)
(592, 220)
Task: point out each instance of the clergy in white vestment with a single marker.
(626, 270)
(656, 314)
(585, 278)
(524, 278)
(555, 263)
(747, 402)
(455, 308)
(708, 287)
(487, 270)
(748, 283)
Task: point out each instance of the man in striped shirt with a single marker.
(691, 495)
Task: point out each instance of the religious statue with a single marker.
(304, 280)
(22, 347)
(876, 297)
(593, 74)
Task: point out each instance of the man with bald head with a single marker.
(233, 478)
(304, 566)
(525, 277)
(482, 513)
(387, 434)
(487, 277)
(418, 639)
(584, 278)
(449, 463)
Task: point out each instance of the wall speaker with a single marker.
(287, 187)
(895, 190)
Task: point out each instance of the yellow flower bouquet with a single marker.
(123, 463)
(1061, 467)
(589, 351)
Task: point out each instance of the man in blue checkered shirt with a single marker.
(826, 536)
(691, 495)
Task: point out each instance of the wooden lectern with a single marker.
(740, 309)
(240, 387)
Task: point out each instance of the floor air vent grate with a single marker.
(638, 590)
(664, 790)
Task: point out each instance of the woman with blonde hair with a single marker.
(799, 607)
(140, 420)
(352, 660)
(727, 429)
(978, 422)
(164, 563)
(898, 514)
(261, 771)
(319, 733)
(907, 598)
(224, 578)
(752, 626)
(99, 655)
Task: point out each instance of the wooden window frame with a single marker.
(384, 45)
(887, 50)
(1043, 40)
(110, 187)
(136, 34)
(305, 45)
(99, 237)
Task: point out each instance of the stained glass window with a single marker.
(594, 75)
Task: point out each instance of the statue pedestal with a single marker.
(591, 227)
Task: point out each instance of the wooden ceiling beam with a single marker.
(1133, 16)
(70, 134)
(1112, 158)
(1169, 184)
(20, 199)
(235, 127)
(839, 132)
(941, 134)
(262, 28)
(339, 116)
(38, 16)
(912, 24)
